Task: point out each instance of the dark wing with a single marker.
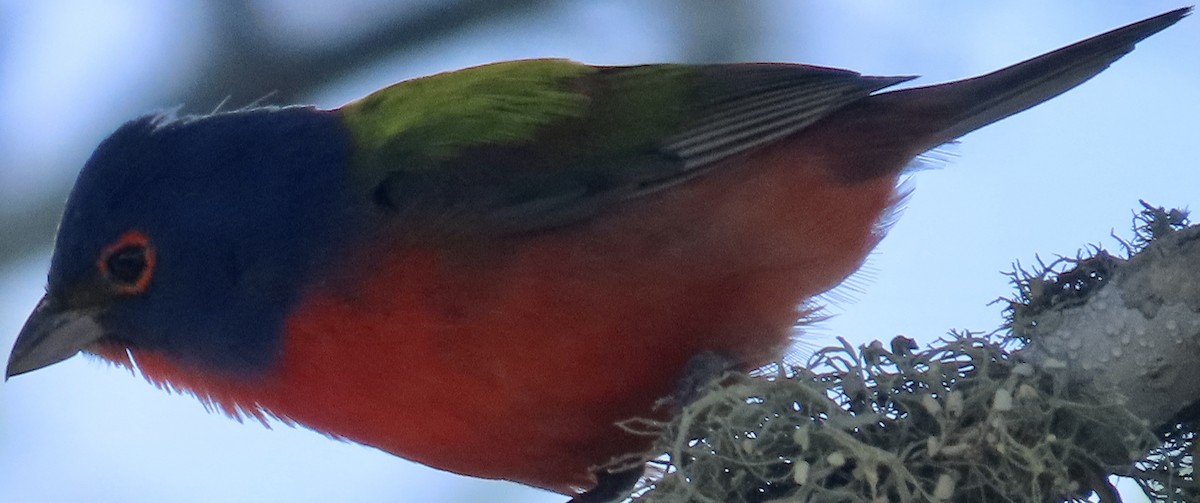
(529, 145)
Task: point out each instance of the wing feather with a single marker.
(597, 136)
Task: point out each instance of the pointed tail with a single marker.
(960, 107)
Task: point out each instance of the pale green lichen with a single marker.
(799, 435)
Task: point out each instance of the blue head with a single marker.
(193, 237)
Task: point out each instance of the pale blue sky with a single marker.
(1047, 181)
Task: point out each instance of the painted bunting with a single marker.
(486, 270)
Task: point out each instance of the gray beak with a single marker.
(52, 334)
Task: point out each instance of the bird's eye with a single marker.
(128, 263)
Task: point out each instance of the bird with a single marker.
(488, 270)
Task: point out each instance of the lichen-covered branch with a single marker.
(1090, 379)
(1129, 324)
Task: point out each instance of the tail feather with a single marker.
(967, 105)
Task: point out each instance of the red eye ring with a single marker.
(128, 263)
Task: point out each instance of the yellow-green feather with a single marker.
(640, 106)
(432, 118)
(525, 145)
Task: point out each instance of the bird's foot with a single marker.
(611, 486)
(701, 370)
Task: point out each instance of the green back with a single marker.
(527, 145)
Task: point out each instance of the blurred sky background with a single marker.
(1048, 181)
